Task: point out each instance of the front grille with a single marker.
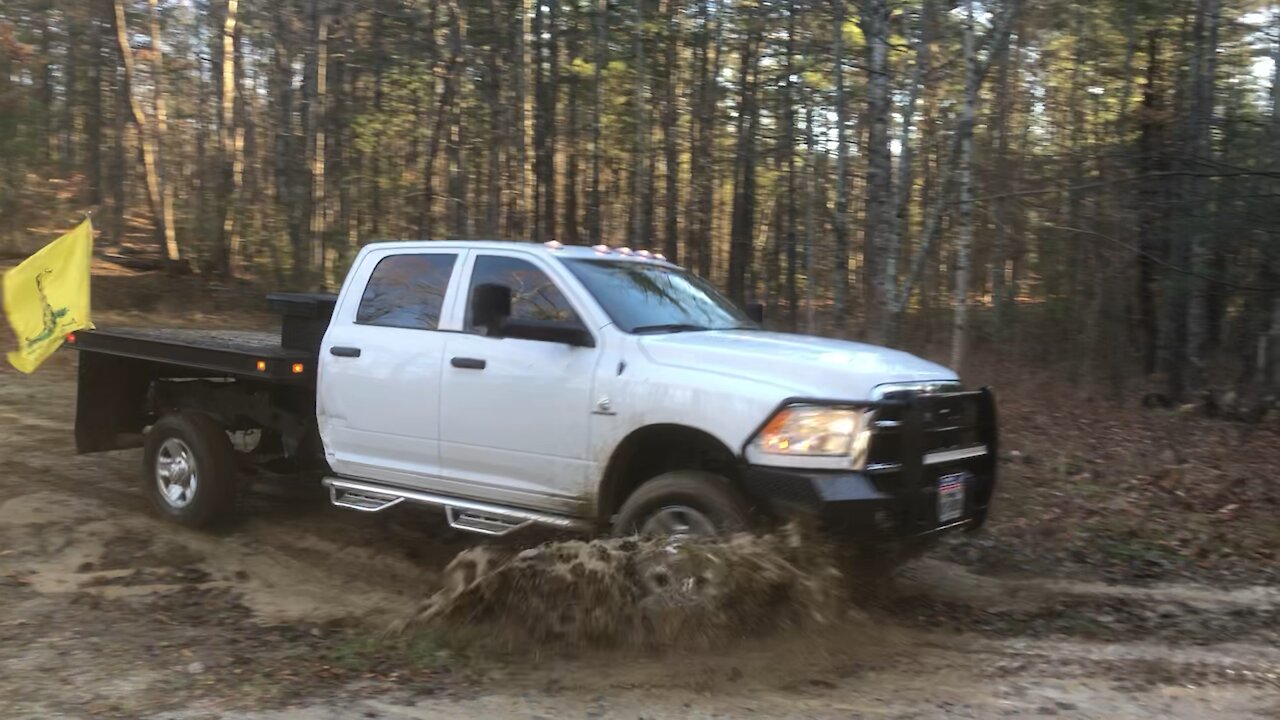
(947, 422)
(918, 438)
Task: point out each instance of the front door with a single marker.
(380, 363)
(515, 413)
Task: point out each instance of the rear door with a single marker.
(378, 401)
(516, 413)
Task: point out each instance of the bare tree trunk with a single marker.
(906, 160)
(640, 147)
(841, 270)
(1204, 69)
(670, 150)
(1273, 343)
(519, 203)
(316, 112)
(744, 182)
(232, 142)
(599, 51)
(1004, 180)
(964, 230)
(811, 201)
(148, 134)
(702, 149)
(161, 135)
(93, 108)
(789, 148)
(879, 220)
(457, 210)
(546, 72)
(498, 117)
(1151, 200)
(569, 214)
(117, 173)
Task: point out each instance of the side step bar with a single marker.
(470, 515)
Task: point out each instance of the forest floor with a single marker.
(1130, 570)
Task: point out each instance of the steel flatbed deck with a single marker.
(238, 353)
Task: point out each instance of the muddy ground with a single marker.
(1060, 610)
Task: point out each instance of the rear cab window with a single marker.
(407, 291)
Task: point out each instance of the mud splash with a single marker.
(641, 592)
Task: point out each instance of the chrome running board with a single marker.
(463, 514)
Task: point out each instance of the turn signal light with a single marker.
(298, 368)
(262, 366)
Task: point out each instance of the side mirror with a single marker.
(547, 331)
(490, 306)
(755, 311)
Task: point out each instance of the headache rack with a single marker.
(919, 437)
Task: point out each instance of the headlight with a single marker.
(813, 436)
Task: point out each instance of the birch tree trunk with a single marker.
(148, 134)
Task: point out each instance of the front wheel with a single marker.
(189, 469)
(683, 503)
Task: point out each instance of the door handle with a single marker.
(467, 363)
(341, 351)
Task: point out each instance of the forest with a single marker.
(1092, 186)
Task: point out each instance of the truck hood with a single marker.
(801, 365)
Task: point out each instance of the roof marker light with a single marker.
(644, 253)
(624, 251)
(600, 248)
(659, 256)
(553, 245)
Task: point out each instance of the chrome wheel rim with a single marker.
(176, 476)
(678, 521)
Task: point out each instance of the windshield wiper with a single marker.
(667, 328)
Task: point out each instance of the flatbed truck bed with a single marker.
(246, 354)
(242, 378)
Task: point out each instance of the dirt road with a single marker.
(107, 612)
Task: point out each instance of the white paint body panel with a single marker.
(529, 429)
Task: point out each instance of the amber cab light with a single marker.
(262, 366)
(298, 368)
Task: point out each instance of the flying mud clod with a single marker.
(641, 592)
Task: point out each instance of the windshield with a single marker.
(645, 297)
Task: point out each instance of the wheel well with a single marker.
(656, 449)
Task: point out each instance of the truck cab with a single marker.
(591, 389)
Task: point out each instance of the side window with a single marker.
(406, 291)
(534, 296)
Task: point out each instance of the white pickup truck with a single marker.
(584, 388)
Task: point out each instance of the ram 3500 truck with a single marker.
(586, 389)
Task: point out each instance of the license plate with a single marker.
(951, 497)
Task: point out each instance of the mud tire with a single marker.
(707, 493)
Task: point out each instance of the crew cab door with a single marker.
(515, 413)
(378, 401)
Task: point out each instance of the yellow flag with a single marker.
(47, 296)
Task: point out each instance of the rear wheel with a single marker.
(189, 469)
(683, 503)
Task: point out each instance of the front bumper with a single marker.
(896, 498)
(854, 504)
